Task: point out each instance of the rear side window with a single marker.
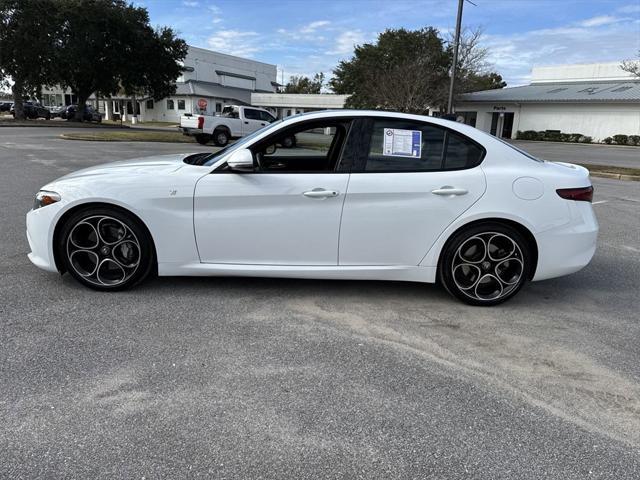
(461, 152)
(406, 146)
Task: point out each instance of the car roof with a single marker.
(351, 113)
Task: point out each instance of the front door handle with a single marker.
(321, 193)
(447, 191)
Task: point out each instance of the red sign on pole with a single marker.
(202, 104)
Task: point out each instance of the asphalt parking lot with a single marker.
(264, 378)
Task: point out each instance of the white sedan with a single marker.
(365, 195)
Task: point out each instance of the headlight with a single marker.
(44, 198)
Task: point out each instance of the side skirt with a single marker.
(328, 272)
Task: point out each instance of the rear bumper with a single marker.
(191, 131)
(569, 248)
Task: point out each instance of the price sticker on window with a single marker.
(402, 143)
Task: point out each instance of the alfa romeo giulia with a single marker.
(365, 195)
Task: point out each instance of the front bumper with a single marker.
(40, 225)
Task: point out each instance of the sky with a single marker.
(306, 36)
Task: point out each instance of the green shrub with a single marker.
(608, 140)
(574, 137)
(553, 136)
(634, 139)
(621, 139)
(585, 139)
(527, 135)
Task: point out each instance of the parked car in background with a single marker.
(32, 110)
(5, 106)
(90, 113)
(234, 122)
(57, 111)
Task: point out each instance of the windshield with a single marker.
(214, 157)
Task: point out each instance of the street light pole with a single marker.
(455, 57)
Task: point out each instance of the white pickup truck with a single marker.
(235, 121)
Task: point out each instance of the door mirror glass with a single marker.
(241, 160)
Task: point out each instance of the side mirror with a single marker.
(241, 160)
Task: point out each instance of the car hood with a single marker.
(157, 165)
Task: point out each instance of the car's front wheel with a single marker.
(485, 264)
(106, 249)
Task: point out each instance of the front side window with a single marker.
(408, 146)
(169, 104)
(266, 117)
(310, 147)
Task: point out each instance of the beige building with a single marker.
(598, 100)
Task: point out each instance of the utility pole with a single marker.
(455, 57)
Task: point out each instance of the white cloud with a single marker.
(190, 3)
(235, 42)
(514, 55)
(313, 26)
(599, 21)
(629, 9)
(346, 42)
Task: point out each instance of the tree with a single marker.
(408, 71)
(632, 66)
(27, 42)
(302, 84)
(106, 46)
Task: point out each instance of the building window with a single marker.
(218, 107)
(180, 104)
(170, 104)
(149, 105)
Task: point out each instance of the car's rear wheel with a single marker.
(485, 264)
(106, 249)
(203, 139)
(220, 138)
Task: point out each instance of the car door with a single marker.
(411, 180)
(252, 121)
(286, 212)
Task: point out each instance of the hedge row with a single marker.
(623, 140)
(551, 136)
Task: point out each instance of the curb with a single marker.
(616, 176)
(592, 144)
(9, 124)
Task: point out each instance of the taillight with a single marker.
(200, 122)
(584, 194)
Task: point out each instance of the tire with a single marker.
(203, 138)
(485, 264)
(106, 249)
(288, 142)
(48, 117)
(220, 137)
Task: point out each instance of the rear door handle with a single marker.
(321, 193)
(447, 190)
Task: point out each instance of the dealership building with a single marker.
(597, 100)
(210, 80)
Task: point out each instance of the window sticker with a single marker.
(402, 143)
